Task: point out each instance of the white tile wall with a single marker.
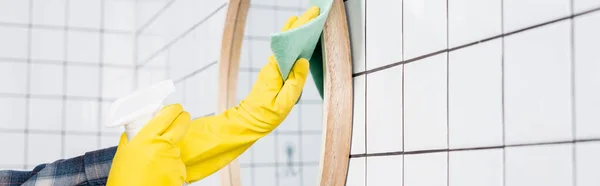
(587, 163)
(539, 165)
(117, 82)
(83, 81)
(356, 23)
(385, 170)
(83, 47)
(14, 146)
(424, 25)
(584, 5)
(83, 115)
(425, 169)
(43, 148)
(48, 44)
(120, 15)
(384, 111)
(13, 77)
(385, 40)
(45, 114)
(523, 13)
(482, 167)
(85, 14)
(46, 79)
(77, 145)
(13, 112)
(357, 172)
(14, 11)
(14, 42)
(358, 119)
(473, 20)
(48, 12)
(118, 49)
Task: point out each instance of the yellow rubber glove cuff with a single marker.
(152, 156)
(215, 141)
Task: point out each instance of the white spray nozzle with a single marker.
(136, 109)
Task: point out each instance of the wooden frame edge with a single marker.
(338, 102)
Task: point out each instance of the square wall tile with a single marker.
(245, 54)
(476, 167)
(385, 37)
(46, 79)
(14, 42)
(473, 20)
(475, 95)
(107, 141)
(288, 147)
(587, 163)
(523, 13)
(82, 115)
(264, 150)
(85, 14)
(385, 170)
(587, 76)
(425, 104)
(357, 172)
(83, 81)
(583, 5)
(13, 146)
(119, 15)
(116, 82)
(83, 47)
(358, 116)
(261, 22)
(244, 85)
(14, 11)
(549, 165)
(311, 147)
(12, 113)
(310, 91)
(149, 76)
(537, 100)
(78, 145)
(118, 49)
(289, 175)
(43, 148)
(260, 50)
(48, 12)
(291, 122)
(356, 26)
(311, 116)
(310, 175)
(265, 176)
(384, 110)
(424, 27)
(47, 44)
(45, 114)
(425, 169)
(13, 77)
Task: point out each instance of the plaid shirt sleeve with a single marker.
(89, 169)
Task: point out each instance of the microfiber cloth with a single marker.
(303, 42)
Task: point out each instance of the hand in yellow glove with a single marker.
(152, 157)
(215, 141)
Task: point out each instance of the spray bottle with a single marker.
(138, 108)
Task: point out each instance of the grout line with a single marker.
(64, 81)
(402, 99)
(179, 37)
(447, 93)
(573, 98)
(366, 115)
(27, 98)
(473, 43)
(205, 67)
(153, 18)
(101, 74)
(62, 28)
(474, 148)
(503, 94)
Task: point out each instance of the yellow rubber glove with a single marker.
(215, 141)
(152, 157)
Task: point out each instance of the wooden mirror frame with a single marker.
(337, 105)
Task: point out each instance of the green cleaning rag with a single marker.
(303, 42)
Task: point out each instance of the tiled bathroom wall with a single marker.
(61, 63)
(475, 92)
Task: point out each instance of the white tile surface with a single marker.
(523, 13)
(12, 112)
(83, 47)
(587, 76)
(107, 141)
(265, 176)
(259, 53)
(260, 22)
(14, 42)
(358, 117)
(385, 170)
(288, 149)
(82, 115)
(14, 11)
(310, 91)
(85, 14)
(425, 104)
(477, 167)
(43, 148)
(291, 122)
(384, 45)
(538, 100)
(147, 77)
(48, 12)
(311, 147)
(78, 145)
(356, 25)
(583, 5)
(473, 20)
(118, 49)
(587, 163)
(356, 172)
(245, 84)
(475, 95)
(45, 114)
(119, 15)
(311, 117)
(266, 146)
(384, 110)
(246, 157)
(246, 175)
(13, 145)
(13, 77)
(289, 175)
(310, 175)
(48, 44)
(83, 81)
(116, 82)
(424, 27)
(425, 169)
(46, 79)
(548, 165)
